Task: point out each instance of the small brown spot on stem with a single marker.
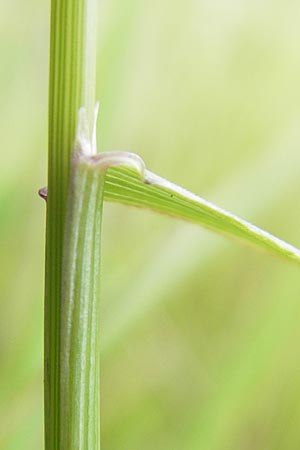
(43, 193)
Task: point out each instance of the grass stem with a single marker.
(72, 84)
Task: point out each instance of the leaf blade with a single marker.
(125, 185)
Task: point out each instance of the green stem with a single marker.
(79, 361)
(72, 84)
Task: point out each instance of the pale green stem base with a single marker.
(79, 350)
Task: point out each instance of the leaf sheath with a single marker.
(79, 355)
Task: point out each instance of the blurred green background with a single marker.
(200, 335)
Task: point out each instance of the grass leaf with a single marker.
(145, 189)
